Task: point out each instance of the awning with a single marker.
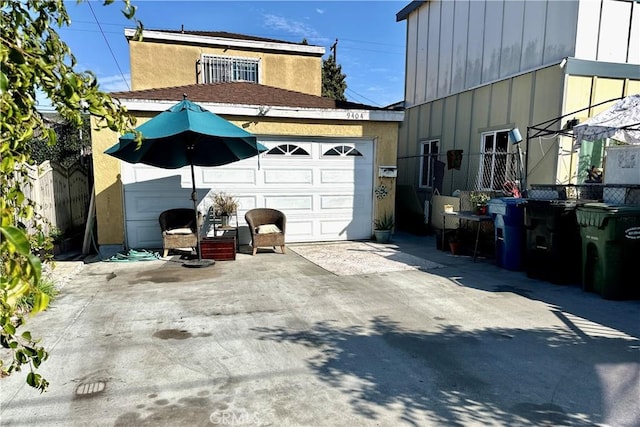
(621, 122)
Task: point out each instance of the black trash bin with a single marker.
(553, 244)
(508, 221)
(610, 248)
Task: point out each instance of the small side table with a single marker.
(467, 216)
(228, 231)
(218, 248)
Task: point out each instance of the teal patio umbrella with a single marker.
(187, 135)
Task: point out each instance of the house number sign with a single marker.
(355, 115)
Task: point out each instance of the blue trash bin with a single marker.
(508, 221)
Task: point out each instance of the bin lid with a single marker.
(551, 203)
(594, 214)
(506, 201)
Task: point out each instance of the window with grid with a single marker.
(428, 155)
(216, 69)
(287, 150)
(496, 166)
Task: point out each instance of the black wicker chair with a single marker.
(179, 229)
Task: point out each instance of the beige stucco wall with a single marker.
(157, 65)
(109, 191)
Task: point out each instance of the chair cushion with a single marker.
(268, 228)
(179, 231)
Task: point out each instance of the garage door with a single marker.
(324, 186)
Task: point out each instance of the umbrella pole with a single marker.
(194, 197)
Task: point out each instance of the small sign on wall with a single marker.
(622, 165)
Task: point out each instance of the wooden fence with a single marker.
(61, 194)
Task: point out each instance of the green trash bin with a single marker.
(610, 247)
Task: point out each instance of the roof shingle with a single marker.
(241, 93)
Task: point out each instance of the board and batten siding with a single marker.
(456, 46)
(459, 120)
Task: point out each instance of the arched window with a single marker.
(342, 150)
(288, 150)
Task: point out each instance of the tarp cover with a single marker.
(620, 122)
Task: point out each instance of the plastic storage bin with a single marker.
(508, 214)
(610, 248)
(553, 244)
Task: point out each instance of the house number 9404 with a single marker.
(356, 116)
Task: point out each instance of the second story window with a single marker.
(217, 69)
(428, 155)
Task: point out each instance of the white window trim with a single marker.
(258, 62)
(423, 158)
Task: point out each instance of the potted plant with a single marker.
(454, 241)
(382, 228)
(479, 202)
(224, 206)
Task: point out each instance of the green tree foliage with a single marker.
(33, 57)
(71, 142)
(333, 81)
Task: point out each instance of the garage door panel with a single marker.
(144, 234)
(336, 202)
(288, 176)
(247, 202)
(362, 203)
(297, 230)
(337, 176)
(137, 174)
(145, 205)
(334, 227)
(292, 203)
(220, 175)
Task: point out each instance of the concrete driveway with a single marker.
(275, 340)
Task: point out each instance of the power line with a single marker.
(363, 97)
(109, 46)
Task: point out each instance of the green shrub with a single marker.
(47, 286)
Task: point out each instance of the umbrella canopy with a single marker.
(621, 122)
(187, 135)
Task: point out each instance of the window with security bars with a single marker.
(217, 69)
(428, 155)
(498, 167)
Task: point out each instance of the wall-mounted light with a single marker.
(563, 62)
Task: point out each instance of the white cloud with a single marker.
(296, 28)
(114, 83)
(320, 11)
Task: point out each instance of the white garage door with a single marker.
(324, 187)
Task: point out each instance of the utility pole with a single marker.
(334, 48)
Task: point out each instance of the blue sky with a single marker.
(370, 41)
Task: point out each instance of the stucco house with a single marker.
(322, 167)
(481, 73)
